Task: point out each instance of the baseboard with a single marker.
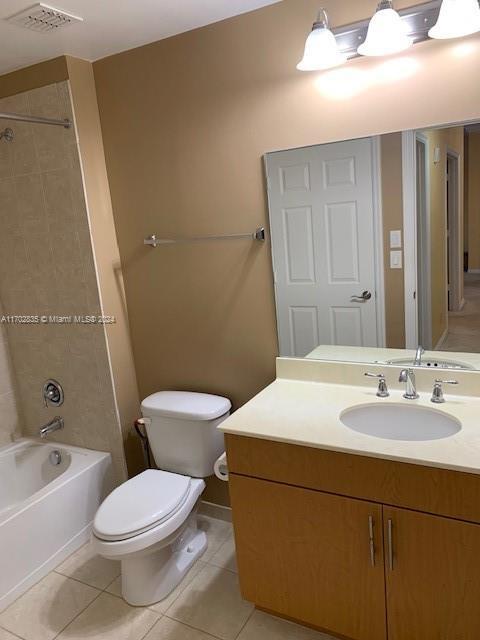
(473, 271)
(455, 312)
(217, 511)
(40, 572)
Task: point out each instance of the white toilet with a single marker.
(149, 523)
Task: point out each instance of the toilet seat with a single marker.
(140, 504)
(157, 535)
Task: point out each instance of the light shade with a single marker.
(387, 33)
(321, 49)
(457, 18)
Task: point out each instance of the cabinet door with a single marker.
(307, 555)
(433, 577)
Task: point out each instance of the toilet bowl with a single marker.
(149, 523)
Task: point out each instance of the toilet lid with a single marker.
(140, 504)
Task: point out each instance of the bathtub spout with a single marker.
(54, 425)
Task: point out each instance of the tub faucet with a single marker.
(408, 376)
(54, 425)
(418, 356)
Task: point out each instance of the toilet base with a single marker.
(151, 576)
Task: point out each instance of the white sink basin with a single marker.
(400, 422)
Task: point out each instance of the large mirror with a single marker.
(376, 248)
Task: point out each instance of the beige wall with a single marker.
(443, 139)
(473, 196)
(33, 77)
(106, 252)
(9, 410)
(185, 123)
(392, 210)
(47, 268)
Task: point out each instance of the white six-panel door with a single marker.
(322, 218)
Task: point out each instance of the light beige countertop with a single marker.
(304, 404)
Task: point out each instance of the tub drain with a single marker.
(55, 457)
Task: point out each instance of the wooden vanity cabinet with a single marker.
(433, 588)
(307, 555)
(324, 538)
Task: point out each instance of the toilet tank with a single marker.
(182, 430)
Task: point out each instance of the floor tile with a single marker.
(164, 605)
(167, 629)
(464, 326)
(6, 635)
(115, 587)
(212, 603)
(217, 532)
(110, 618)
(85, 565)
(262, 626)
(43, 611)
(225, 557)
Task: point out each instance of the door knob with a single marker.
(366, 295)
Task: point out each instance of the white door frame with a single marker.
(378, 240)
(426, 262)
(455, 257)
(409, 170)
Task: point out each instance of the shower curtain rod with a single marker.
(35, 119)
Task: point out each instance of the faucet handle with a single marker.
(382, 391)
(437, 394)
(404, 373)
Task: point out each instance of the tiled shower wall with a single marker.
(9, 418)
(47, 269)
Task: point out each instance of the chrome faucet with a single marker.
(408, 376)
(418, 356)
(54, 425)
(437, 395)
(382, 391)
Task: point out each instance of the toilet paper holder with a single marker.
(220, 467)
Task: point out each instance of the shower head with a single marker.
(7, 134)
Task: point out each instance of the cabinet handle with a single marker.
(371, 540)
(390, 544)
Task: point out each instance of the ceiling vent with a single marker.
(40, 17)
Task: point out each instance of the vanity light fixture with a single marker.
(321, 48)
(457, 18)
(387, 33)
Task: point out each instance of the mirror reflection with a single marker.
(376, 248)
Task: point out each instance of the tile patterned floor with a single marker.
(81, 600)
(464, 326)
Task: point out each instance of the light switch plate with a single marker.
(396, 239)
(396, 260)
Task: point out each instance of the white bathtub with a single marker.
(46, 510)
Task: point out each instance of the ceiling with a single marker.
(109, 26)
